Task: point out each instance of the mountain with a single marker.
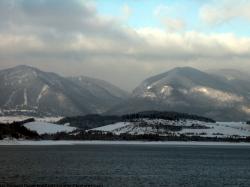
(190, 90)
(231, 74)
(221, 95)
(27, 90)
(109, 94)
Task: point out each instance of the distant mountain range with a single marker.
(27, 90)
(220, 94)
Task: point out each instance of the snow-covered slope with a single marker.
(116, 128)
(48, 128)
(221, 129)
(182, 127)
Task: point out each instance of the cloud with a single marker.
(162, 10)
(173, 24)
(167, 16)
(194, 45)
(72, 38)
(17, 43)
(126, 11)
(223, 11)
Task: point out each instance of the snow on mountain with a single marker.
(42, 93)
(181, 127)
(26, 90)
(188, 89)
(48, 128)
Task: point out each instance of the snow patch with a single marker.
(149, 87)
(149, 94)
(217, 94)
(48, 128)
(112, 127)
(42, 93)
(25, 97)
(166, 90)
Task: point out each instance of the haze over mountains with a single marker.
(221, 94)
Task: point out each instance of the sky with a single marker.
(124, 41)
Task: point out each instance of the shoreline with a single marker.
(102, 142)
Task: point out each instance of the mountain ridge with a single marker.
(188, 89)
(28, 90)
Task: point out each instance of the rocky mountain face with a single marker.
(190, 90)
(27, 90)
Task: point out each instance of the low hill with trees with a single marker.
(17, 130)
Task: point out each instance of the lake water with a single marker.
(126, 165)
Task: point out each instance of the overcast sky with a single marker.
(122, 41)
